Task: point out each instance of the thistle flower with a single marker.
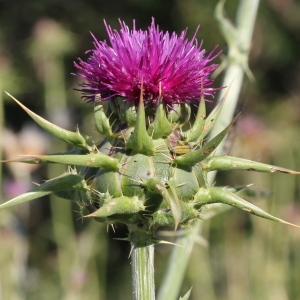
(150, 170)
(169, 66)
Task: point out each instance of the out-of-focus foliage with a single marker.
(47, 253)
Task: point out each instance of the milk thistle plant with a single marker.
(149, 168)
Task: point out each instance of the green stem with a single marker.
(142, 260)
(142, 265)
(239, 40)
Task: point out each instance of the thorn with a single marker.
(131, 249)
(113, 228)
(202, 241)
(170, 158)
(141, 93)
(249, 73)
(159, 92)
(141, 181)
(169, 243)
(161, 145)
(122, 239)
(287, 223)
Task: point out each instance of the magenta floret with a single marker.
(151, 56)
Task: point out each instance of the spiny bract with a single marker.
(145, 174)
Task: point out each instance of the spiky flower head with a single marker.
(169, 66)
(148, 169)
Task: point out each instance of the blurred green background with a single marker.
(48, 252)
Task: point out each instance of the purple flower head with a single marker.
(153, 57)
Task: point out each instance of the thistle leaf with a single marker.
(63, 182)
(93, 160)
(226, 163)
(70, 137)
(221, 195)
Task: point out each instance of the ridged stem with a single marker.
(142, 264)
(237, 65)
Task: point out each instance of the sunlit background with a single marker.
(48, 252)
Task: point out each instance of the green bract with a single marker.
(150, 170)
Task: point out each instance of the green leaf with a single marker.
(74, 138)
(63, 182)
